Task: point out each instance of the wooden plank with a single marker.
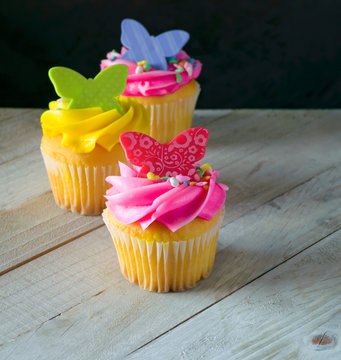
(8, 113)
(23, 179)
(294, 312)
(272, 163)
(20, 133)
(74, 303)
(37, 227)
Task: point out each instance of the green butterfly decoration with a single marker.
(97, 92)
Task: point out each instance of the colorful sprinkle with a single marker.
(172, 60)
(139, 69)
(200, 171)
(195, 66)
(179, 70)
(207, 177)
(191, 60)
(189, 69)
(152, 176)
(165, 178)
(192, 183)
(182, 178)
(146, 67)
(186, 182)
(174, 182)
(205, 187)
(113, 58)
(206, 167)
(196, 177)
(178, 78)
(141, 63)
(202, 183)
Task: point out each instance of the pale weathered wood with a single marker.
(266, 153)
(73, 303)
(20, 134)
(282, 315)
(38, 226)
(25, 193)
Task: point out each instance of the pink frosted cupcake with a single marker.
(162, 77)
(164, 213)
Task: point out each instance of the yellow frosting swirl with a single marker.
(82, 129)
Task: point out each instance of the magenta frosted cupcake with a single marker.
(162, 77)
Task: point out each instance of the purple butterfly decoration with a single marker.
(155, 49)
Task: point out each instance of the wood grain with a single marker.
(74, 303)
(260, 154)
(282, 315)
(32, 223)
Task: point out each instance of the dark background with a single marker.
(255, 53)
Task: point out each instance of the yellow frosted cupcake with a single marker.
(80, 143)
(165, 212)
(162, 77)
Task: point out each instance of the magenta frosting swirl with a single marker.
(132, 198)
(156, 82)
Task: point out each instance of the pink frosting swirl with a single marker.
(156, 82)
(133, 198)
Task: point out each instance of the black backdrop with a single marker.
(255, 53)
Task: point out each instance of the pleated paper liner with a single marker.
(79, 188)
(165, 266)
(170, 118)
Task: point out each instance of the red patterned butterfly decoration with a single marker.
(175, 158)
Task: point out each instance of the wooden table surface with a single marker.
(275, 289)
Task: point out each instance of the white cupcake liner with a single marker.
(164, 266)
(169, 119)
(78, 188)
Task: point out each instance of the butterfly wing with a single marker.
(68, 84)
(136, 39)
(107, 84)
(141, 46)
(171, 42)
(186, 149)
(144, 151)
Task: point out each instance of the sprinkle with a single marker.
(207, 177)
(191, 60)
(206, 167)
(186, 182)
(165, 178)
(201, 183)
(192, 183)
(195, 66)
(205, 187)
(172, 60)
(113, 58)
(146, 67)
(189, 69)
(179, 70)
(174, 182)
(196, 165)
(196, 177)
(178, 78)
(182, 178)
(200, 171)
(141, 63)
(152, 176)
(139, 69)
(113, 50)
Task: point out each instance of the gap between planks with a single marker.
(49, 250)
(99, 226)
(234, 291)
(317, 198)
